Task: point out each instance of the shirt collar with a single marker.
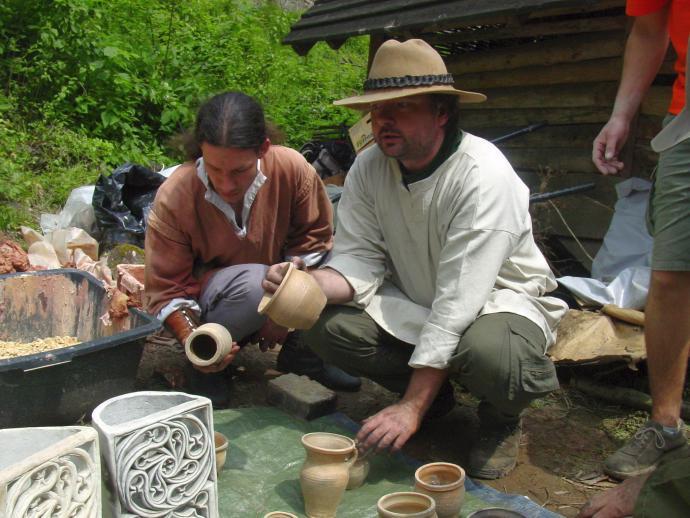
(214, 198)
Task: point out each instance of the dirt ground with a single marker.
(564, 442)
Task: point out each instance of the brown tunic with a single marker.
(188, 238)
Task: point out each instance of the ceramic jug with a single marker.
(324, 474)
(445, 483)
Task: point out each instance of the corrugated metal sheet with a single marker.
(334, 21)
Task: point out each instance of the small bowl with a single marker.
(280, 514)
(297, 303)
(221, 443)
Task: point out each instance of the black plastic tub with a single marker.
(63, 386)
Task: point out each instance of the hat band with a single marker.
(405, 81)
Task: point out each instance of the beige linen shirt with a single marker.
(426, 260)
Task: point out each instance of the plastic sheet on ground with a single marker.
(265, 456)
(628, 290)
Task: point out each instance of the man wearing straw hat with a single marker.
(435, 271)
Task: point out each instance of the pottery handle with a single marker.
(352, 459)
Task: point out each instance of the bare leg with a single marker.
(667, 334)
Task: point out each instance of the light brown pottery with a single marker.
(208, 344)
(406, 504)
(280, 514)
(221, 443)
(297, 303)
(358, 473)
(445, 483)
(324, 474)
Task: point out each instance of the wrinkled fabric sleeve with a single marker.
(359, 253)
(311, 227)
(169, 262)
(468, 267)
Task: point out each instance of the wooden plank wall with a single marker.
(568, 80)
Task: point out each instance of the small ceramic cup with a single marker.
(208, 344)
(445, 483)
(406, 504)
(221, 443)
(280, 514)
(297, 303)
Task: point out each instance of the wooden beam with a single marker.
(572, 48)
(533, 29)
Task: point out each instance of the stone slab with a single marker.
(301, 396)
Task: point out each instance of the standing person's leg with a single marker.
(501, 360)
(667, 317)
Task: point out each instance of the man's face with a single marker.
(231, 170)
(409, 129)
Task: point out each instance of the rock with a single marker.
(301, 396)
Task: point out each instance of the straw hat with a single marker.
(402, 69)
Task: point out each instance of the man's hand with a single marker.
(276, 274)
(269, 335)
(390, 428)
(608, 144)
(223, 363)
(616, 502)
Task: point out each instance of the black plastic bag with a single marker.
(121, 203)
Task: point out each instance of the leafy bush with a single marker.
(91, 84)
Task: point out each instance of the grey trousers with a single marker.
(231, 297)
(500, 359)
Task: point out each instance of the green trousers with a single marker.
(500, 358)
(667, 491)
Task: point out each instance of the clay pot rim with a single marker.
(435, 467)
(267, 300)
(204, 330)
(224, 442)
(320, 449)
(427, 498)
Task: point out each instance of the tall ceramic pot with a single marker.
(158, 449)
(50, 471)
(324, 474)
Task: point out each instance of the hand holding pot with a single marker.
(210, 348)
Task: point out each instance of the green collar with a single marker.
(451, 142)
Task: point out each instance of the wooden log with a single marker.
(575, 136)
(473, 119)
(551, 96)
(606, 69)
(563, 159)
(568, 49)
(621, 395)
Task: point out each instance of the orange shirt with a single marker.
(679, 30)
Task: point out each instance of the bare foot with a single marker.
(616, 502)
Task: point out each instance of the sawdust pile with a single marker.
(16, 349)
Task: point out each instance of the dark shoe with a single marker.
(213, 386)
(495, 453)
(295, 357)
(443, 404)
(642, 453)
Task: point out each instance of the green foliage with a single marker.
(91, 84)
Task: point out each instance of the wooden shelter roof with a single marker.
(334, 21)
